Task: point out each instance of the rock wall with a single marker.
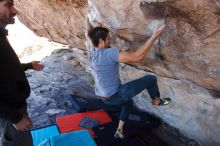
(59, 20)
(188, 49)
(186, 58)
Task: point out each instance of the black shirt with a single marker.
(14, 87)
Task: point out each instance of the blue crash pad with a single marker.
(77, 138)
(41, 137)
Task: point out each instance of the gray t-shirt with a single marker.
(105, 71)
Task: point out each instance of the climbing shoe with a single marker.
(119, 134)
(165, 101)
(161, 101)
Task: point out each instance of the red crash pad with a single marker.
(71, 123)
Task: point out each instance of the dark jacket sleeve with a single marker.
(9, 114)
(27, 66)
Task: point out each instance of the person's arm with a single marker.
(138, 55)
(27, 66)
(32, 65)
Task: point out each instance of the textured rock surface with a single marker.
(186, 60)
(53, 87)
(59, 20)
(193, 110)
(188, 49)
